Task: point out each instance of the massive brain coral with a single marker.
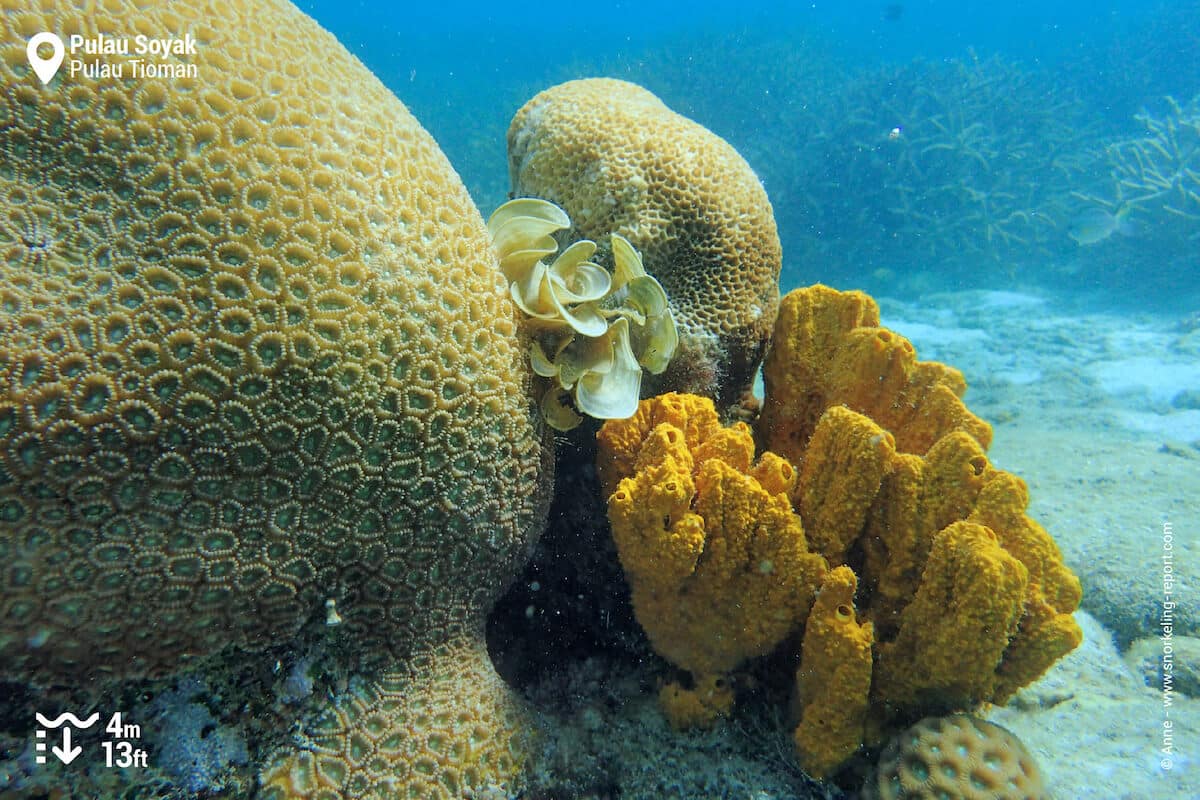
(257, 356)
(619, 161)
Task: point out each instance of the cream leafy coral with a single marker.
(618, 160)
(602, 329)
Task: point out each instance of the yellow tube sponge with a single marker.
(844, 464)
(699, 707)
(619, 161)
(718, 566)
(1048, 630)
(962, 597)
(953, 634)
(1001, 506)
(833, 681)
(620, 444)
(954, 482)
(658, 535)
(918, 497)
(828, 350)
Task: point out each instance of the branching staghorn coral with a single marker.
(1147, 187)
(966, 176)
(1159, 173)
(947, 160)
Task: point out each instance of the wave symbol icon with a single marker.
(68, 717)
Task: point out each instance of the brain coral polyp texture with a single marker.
(619, 161)
(942, 593)
(403, 735)
(257, 354)
(956, 756)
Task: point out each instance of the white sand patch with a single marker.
(936, 342)
(998, 300)
(1091, 702)
(1153, 378)
(984, 300)
(923, 334)
(1181, 426)
(1017, 377)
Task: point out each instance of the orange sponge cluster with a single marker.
(961, 597)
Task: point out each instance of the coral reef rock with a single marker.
(959, 757)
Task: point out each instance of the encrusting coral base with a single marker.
(407, 735)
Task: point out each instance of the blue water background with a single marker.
(751, 72)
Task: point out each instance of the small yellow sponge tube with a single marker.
(954, 632)
(1047, 630)
(846, 460)
(699, 707)
(833, 682)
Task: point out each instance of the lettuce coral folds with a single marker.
(602, 330)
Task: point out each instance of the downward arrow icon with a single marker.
(66, 753)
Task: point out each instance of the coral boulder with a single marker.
(958, 757)
(619, 161)
(259, 365)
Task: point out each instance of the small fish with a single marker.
(1095, 224)
(892, 12)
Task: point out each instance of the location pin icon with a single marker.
(45, 68)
